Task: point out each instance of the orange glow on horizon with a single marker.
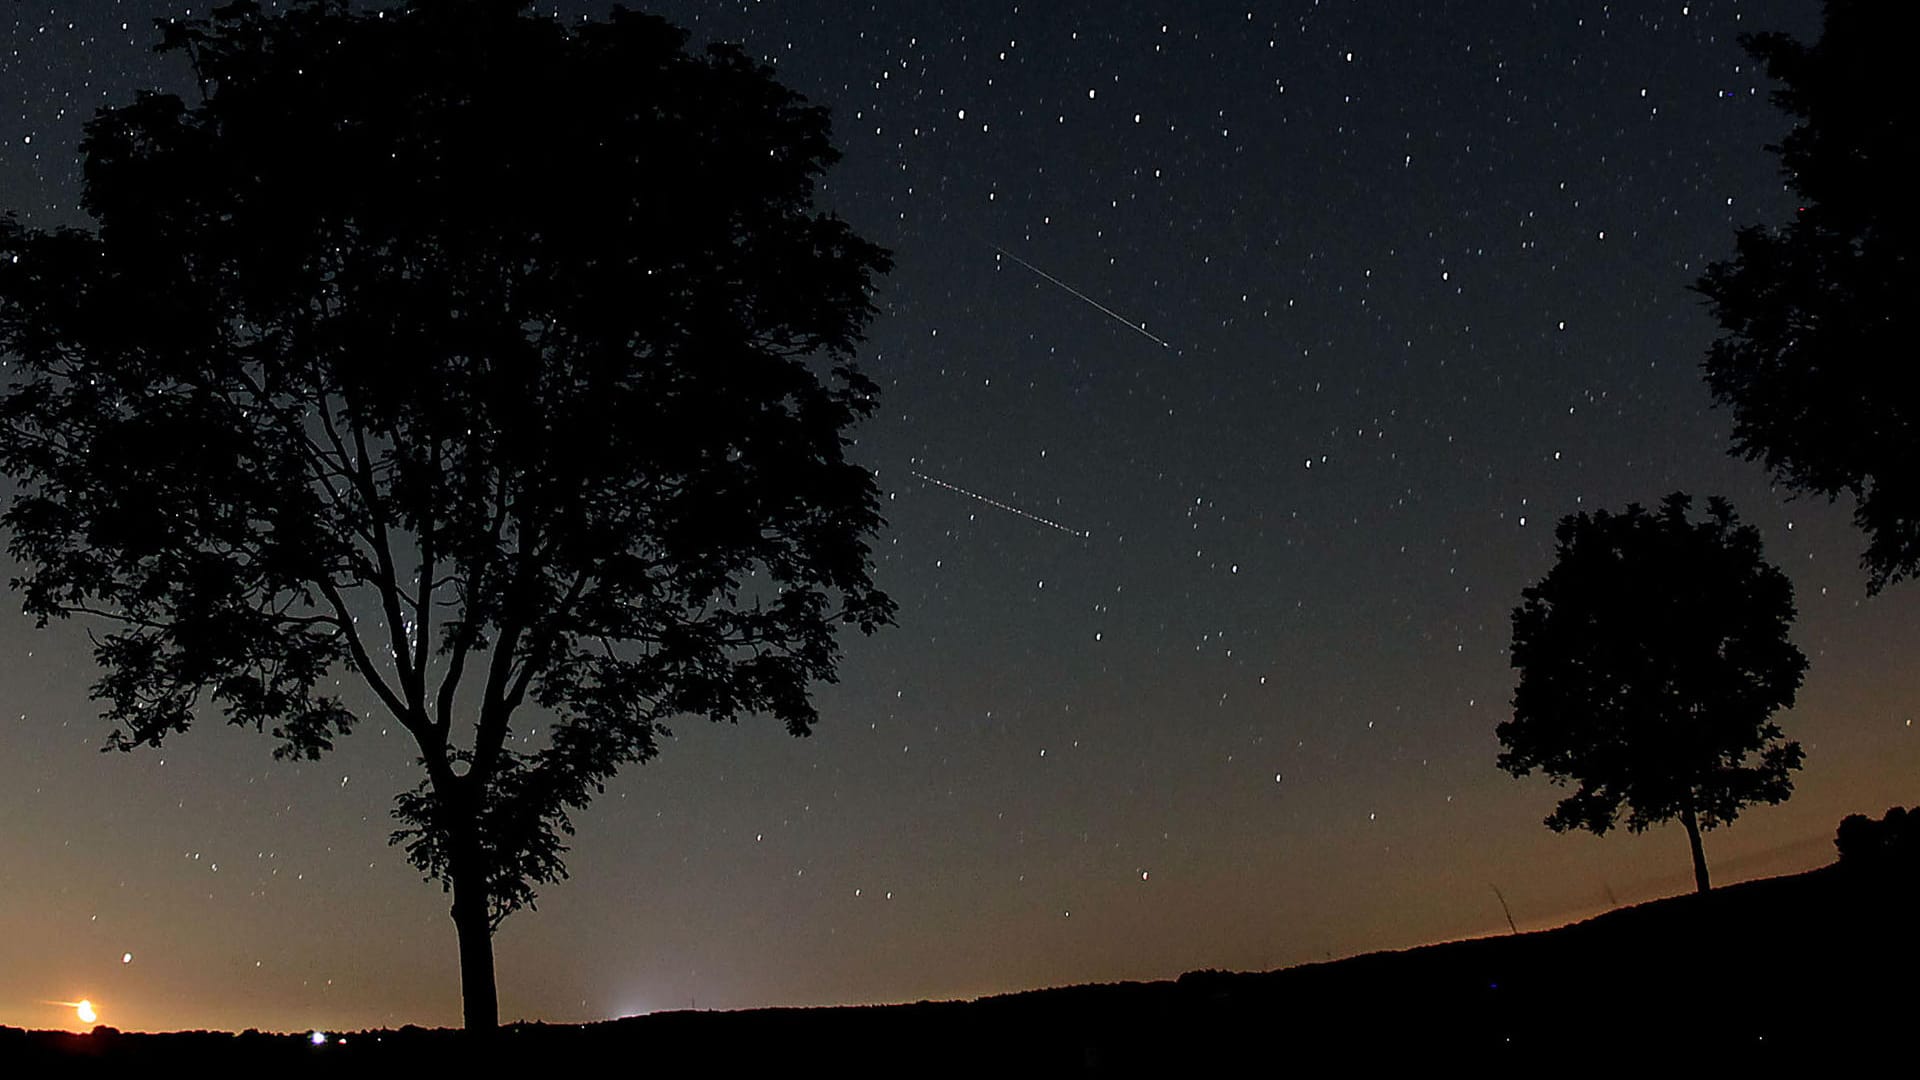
(83, 1009)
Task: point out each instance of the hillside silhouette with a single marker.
(1807, 964)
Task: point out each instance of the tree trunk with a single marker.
(480, 1002)
(1692, 823)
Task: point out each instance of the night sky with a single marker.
(1204, 598)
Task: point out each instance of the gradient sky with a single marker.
(1421, 270)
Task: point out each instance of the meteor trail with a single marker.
(998, 505)
(1116, 316)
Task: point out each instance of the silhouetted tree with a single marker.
(1651, 658)
(1819, 314)
(1890, 843)
(498, 361)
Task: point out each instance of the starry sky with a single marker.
(1204, 597)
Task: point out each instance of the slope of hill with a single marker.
(1816, 963)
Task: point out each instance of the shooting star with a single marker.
(1138, 328)
(998, 505)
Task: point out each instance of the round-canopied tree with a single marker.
(504, 363)
(1652, 658)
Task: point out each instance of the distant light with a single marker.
(84, 1010)
(318, 1038)
(126, 958)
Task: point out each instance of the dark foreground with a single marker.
(1816, 966)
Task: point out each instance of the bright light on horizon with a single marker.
(82, 1009)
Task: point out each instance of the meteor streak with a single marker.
(998, 505)
(1109, 312)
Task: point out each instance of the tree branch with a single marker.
(422, 613)
(494, 709)
(365, 662)
(387, 582)
(542, 644)
(475, 580)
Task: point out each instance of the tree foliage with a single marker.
(1890, 843)
(1818, 314)
(499, 361)
(1652, 658)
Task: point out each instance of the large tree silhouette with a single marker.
(1651, 658)
(1818, 314)
(501, 362)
